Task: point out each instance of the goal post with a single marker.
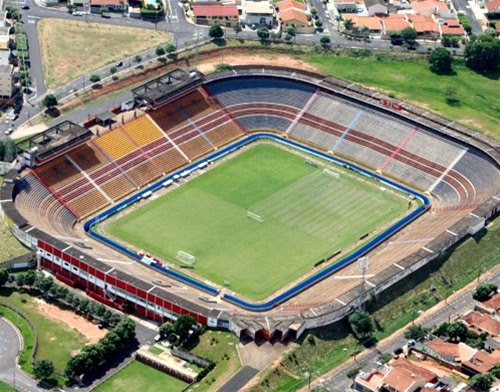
(255, 217)
(186, 258)
(331, 173)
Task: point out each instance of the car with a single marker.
(77, 13)
(9, 131)
(119, 64)
(105, 15)
(157, 338)
(25, 7)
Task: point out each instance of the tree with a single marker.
(170, 48)
(166, 330)
(287, 37)
(484, 291)
(44, 284)
(10, 150)
(95, 78)
(415, 332)
(43, 369)
(361, 324)
(290, 30)
(495, 372)
(325, 40)
(409, 35)
(137, 58)
(160, 51)
(20, 280)
(263, 33)
(482, 53)
(104, 9)
(237, 29)
(49, 101)
(348, 24)
(112, 70)
(4, 276)
(70, 7)
(481, 382)
(216, 32)
(441, 61)
(314, 11)
(182, 326)
(30, 278)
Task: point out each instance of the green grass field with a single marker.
(6, 387)
(307, 216)
(140, 377)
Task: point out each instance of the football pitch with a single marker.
(302, 214)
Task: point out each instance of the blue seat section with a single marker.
(89, 225)
(249, 123)
(261, 89)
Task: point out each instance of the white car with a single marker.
(78, 13)
(9, 131)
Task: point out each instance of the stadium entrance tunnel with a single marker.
(90, 225)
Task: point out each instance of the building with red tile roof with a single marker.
(394, 22)
(481, 362)
(292, 13)
(373, 23)
(429, 7)
(224, 15)
(425, 26)
(480, 322)
(452, 27)
(493, 6)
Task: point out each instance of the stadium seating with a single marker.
(194, 106)
(169, 160)
(195, 147)
(142, 131)
(145, 172)
(58, 172)
(168, 118)
(116, 188)
(254, 122)
(115, 143)
(88, 157)
(224, 134)
(38, 204)
(88, 203)
(252, 89)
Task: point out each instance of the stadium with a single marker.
(251, 199)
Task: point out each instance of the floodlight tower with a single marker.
(363, 264)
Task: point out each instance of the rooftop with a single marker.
(481, 362)
(107, 2)
(395, 23)
(371, 22)
(215, 10)
(429, 5)
(403, 363)
(400, 379)
(292, 14)
(285, 4)
(482, 322)
(424, 24)
(494, 302)
(258, 7)
(493, 6)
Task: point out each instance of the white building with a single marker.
(6, 80)
(258, 13)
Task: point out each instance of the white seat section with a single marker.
(250, 123)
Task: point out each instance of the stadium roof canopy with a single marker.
(163, 89)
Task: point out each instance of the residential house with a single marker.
(376, 7)
(401, 375)
(294, 14)
(480, 323)
(425, 26)
(394, 23)
(451, 28)
(6, 80)
(224, 15)
(372, 23)
(348, 6)
(491, 306)
(449, 354)
(493, 7)
(111, 5)
(429, 7)
(258, 13)
(481, 362)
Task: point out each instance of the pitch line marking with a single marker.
(411, 241)
(341, 302)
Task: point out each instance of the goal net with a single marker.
(255, 217)
(186, 258)
(331, 173)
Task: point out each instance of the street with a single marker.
(10, 344)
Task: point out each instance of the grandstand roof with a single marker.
(54, 139)
(163, 89)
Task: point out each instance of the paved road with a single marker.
(338, 381)
(461, 5)
(10, 344)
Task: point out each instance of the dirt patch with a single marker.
(209, 64)
(72, 320)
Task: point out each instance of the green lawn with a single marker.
(474, 102)
(221, 348)
(56, 341)
(307, 215)
(392, 309)
(140, 377)
(6, 387)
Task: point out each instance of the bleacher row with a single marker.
(115, 164)
(459, 177)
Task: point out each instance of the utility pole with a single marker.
(197, 35)
(363, 264)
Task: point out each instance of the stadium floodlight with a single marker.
(186, 258)
(255, 217)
